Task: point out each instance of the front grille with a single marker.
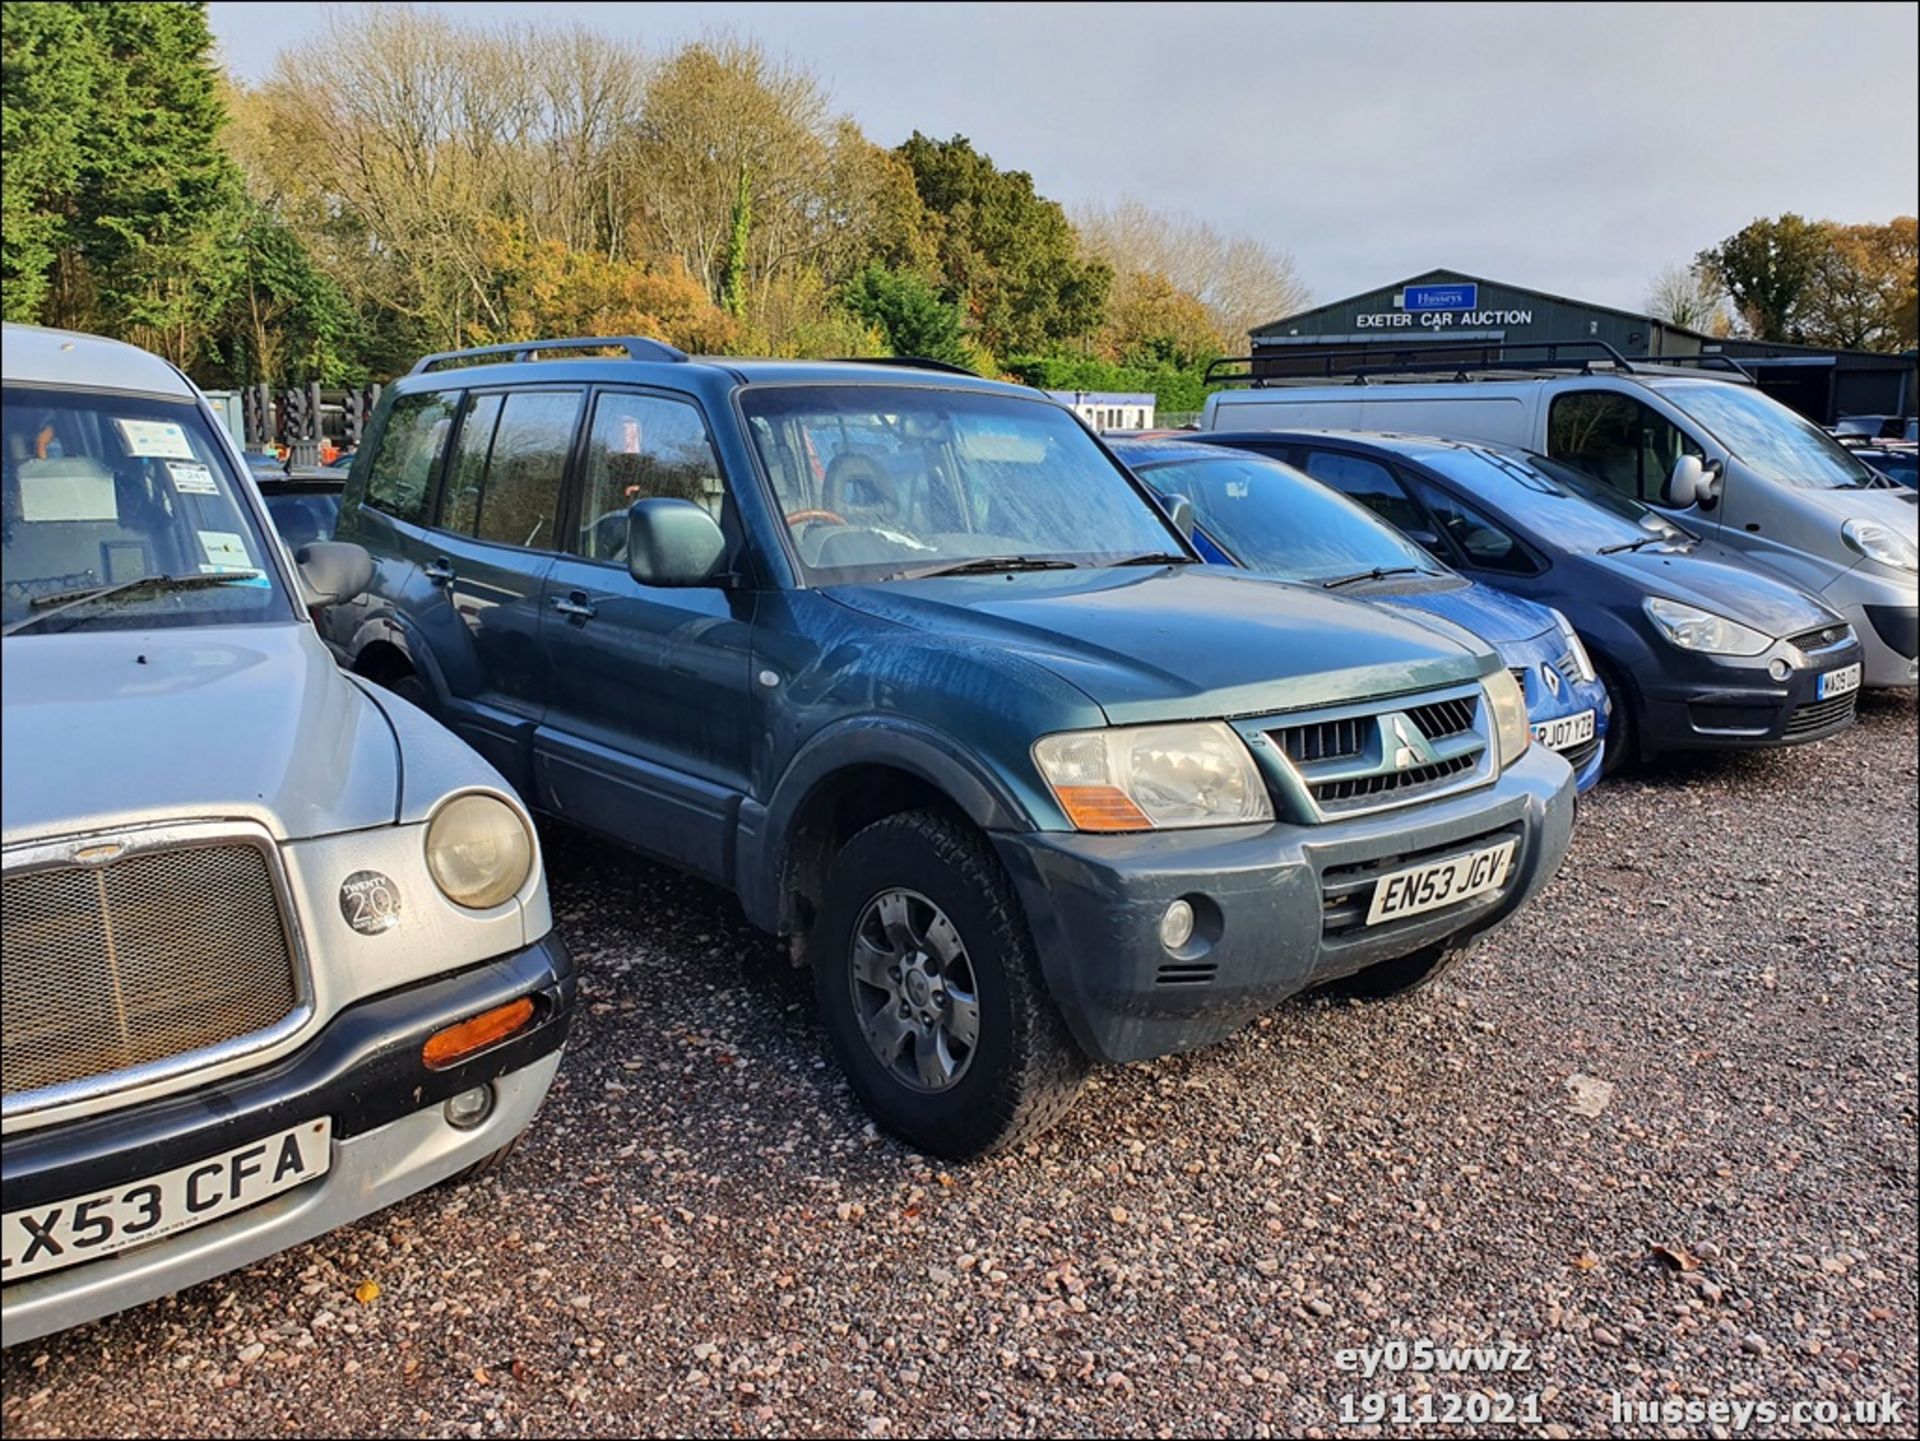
(1186, 973)
(1578, 756)
(1357, 759)
(1519, 674)
(146, 957)
(1826, 638)
(1820, 714)
(1335, 793)
(1346, 892)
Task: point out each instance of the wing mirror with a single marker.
(674, 543)
(1180, 511)
(333, 571)
(1686, 485)
(1428, 541)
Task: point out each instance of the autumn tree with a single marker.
(1862, 295)
(1767, 268)
(1687, 296)
(1241, 281)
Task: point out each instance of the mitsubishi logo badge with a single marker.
(1552, 678)
(1411, 747)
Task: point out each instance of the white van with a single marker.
(1707, 449)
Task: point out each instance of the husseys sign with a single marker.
(1439, 307)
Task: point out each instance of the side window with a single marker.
(467, 470)
(1368, 482)
(642, 447)
(1485, 542)
(401, 477)
(1616, 439)
(504, 480)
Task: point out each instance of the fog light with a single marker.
(469, 1108)
(1779, 668)
(1176, 926)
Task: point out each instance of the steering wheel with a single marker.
(801, 517)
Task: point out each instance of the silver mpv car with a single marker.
(278, 950)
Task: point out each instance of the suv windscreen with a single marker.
(124, 512)
(879, 481)
(1276, 520)
(1774, 441)
(1573, 510)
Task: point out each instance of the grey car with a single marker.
(278, 950)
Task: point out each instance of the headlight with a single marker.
(1882, 543)
(1508, 707)
(479, 851)
(1691, 628)
(1140, 778)
(1582, 662)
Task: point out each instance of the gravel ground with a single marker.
(701, 1234)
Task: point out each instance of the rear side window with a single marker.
(504, 481)
(402, 474)
(1368, 482)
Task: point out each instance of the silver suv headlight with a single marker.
(1158, 777)
(1508, 707)
(479, 851)
(1691, 628)
(1882, 543)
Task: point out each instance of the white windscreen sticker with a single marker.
(191, 478)
(225, 550)
(66, 488)
(161, 439)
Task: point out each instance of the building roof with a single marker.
(1273, 327)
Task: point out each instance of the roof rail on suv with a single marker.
(907, 362)
(637, 348)
(1448, 358)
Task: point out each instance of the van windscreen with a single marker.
(1774, 442)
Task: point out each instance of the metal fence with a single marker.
(311, 421)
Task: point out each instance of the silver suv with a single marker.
(278, 950)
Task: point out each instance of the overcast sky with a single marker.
(1577, 149)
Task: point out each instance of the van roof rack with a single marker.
(906, 362)
(1359, 364)
(637, 347)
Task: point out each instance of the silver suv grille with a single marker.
(1357, 759)
(149, 956)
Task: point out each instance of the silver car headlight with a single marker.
(1582, 662)
(1691, 628)
(1882, 543)
(1508, 707)
(1158, 777)
(479, 851)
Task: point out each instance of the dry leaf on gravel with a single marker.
(1588, 1095)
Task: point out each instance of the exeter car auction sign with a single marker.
(1439, 307)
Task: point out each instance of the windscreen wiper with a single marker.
(1377, 573)
(1636, 544)
(54, 603)
(1156, 557)
(989, 564)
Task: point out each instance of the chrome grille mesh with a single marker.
(154, 954)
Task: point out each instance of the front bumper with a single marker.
(390, 1138)
(1702, 703)
(1277, 905)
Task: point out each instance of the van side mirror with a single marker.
(333, 571)
(1685, 485)
(674, 543)
(1180, 511)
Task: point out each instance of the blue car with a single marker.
(1696, 650)
(1262, 515)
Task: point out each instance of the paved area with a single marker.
(1657, 1140)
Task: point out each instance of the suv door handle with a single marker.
(439, 571)
(575, 606)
